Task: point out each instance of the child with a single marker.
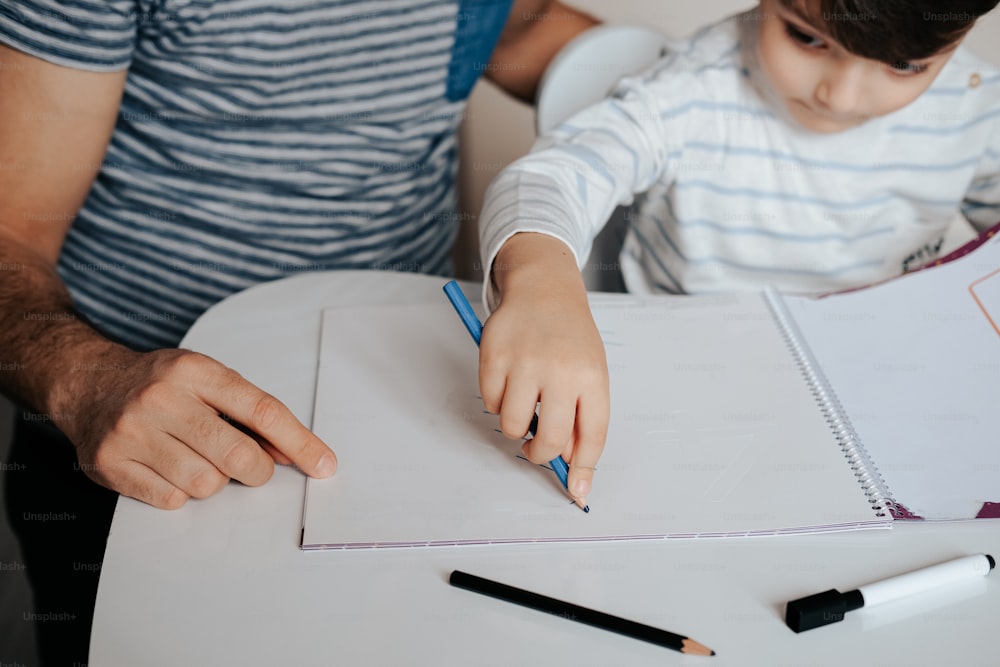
(812, 145)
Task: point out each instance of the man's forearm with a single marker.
(43, 342)
(536, 31)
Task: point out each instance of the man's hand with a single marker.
(161, 426)
(170, 425)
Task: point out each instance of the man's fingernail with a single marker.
(581, 488)
(326, 466)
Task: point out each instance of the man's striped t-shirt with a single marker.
(260, 139)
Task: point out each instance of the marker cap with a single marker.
(821, 609)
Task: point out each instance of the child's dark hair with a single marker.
(894, 31)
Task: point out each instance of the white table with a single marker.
(223, 582)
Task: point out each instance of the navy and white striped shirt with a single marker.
(258, 139)
(737, 197)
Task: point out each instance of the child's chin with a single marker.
(820, 125)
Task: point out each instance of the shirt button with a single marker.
(975, 80)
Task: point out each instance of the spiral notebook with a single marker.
(915, 366)
(737, 415)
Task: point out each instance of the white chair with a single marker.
(582, 74)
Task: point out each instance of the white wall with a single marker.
(498, 129)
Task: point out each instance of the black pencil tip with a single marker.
(712, 653)
(586, 508)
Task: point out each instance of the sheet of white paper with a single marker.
(714, 432)
(916, 364)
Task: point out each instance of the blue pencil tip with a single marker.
(587, 509)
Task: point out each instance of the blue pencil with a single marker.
(475, 327)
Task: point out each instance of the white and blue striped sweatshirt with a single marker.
(257, 139)
(735, 196)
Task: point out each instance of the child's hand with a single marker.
(541, 346)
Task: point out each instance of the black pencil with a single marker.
(598, 619)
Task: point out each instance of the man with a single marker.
(160, 156)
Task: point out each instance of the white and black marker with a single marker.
(830, 606)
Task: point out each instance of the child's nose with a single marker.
(839, 90)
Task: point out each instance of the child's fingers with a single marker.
(492, 385)
(517, 408)
(591, 433)
(555, 426)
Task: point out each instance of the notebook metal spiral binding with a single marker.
(857, 456)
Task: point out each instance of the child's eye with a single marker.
(908, 68)
(803, 38)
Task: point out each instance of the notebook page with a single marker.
(713, 432)
(915, 363)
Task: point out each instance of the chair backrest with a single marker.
(588, 66)
(582, 74)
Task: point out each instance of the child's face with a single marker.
(825, 87)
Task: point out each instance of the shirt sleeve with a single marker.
(981, 205)
(572, 180)
(88, 35)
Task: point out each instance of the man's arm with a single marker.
(536, 31)
(150, 428)
(55, 124)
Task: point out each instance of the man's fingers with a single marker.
(138, 481)
(275, 453)
(234, 453)
(164, 461)
(268, 417)
(182, 466)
